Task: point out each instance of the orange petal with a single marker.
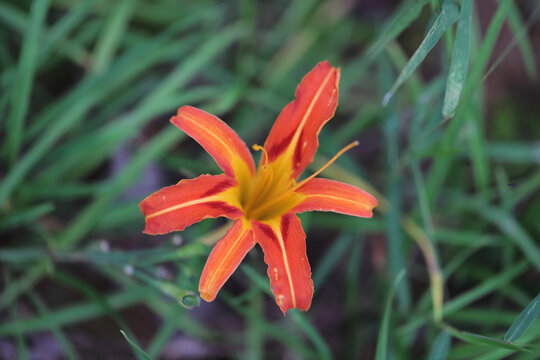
(329, 195)
(293, 138)
(225, 258)
(218, 139)
(175, 207)
(284, 245)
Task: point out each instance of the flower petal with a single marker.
(293, 138)
(218, 139)
(225, 258)
(329, 195)
(175, 207)
(284, 245)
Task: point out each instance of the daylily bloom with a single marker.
(262, 201)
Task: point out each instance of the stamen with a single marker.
(340, 152)
(261, 190)
(260, 148)
(293, 185)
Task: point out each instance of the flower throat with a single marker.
(272, 190)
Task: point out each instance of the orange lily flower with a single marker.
(263, 202)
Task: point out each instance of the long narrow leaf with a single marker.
(440, 168)
(508, 225)
(524, 320)
(401, 19)
(140, 352)
(460, 60)
(441, 347)
(382, 342)
(447, 17)
(483, 340)
(112, 34)
(22, 84)
(524, 44)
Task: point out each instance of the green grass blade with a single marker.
(524, 321)
(486, 49)
(382, 342)
(441, 347)
(13, 17)
(484, 288)
(291, 340)
(508, 225)
(92, 213)
(92, 294)
(70, 314)
(138, 351)
(23, 217)
(164, 334)
(526, 188)
(22, 83)
(184, 297)
(160, 144)
(483, 340)
(352, 281)
(401, 19)
(59, 32)
(447, 17)
(291, 20)
(477, 145)
(97, 146)
(21, 254)
(520, 33)
(300, 319)
(22, 284)
(312, 333)
(254, 335)
(334, 254)
(439, 171)
(460, 60)
(22, 349)
(394, 186)
(63, 341)
(71, 110)
(111, 36)
(516, 152)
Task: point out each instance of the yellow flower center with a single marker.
(271, 191)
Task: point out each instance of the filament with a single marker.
(340, 152)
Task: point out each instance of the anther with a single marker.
(260, 148)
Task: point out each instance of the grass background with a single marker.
(443, 97)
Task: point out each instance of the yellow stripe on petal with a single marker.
(293, 141)
(219, 140)
(283, 242)
(175, 207)
(225, 258)
(330, 195)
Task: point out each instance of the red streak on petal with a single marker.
(220, 187)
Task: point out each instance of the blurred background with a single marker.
(452, 155)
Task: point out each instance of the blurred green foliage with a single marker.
(87, 88)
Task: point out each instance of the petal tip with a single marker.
(374, 202)
(206, 296)
(181, 115)
(285, 309)
(183, 109)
